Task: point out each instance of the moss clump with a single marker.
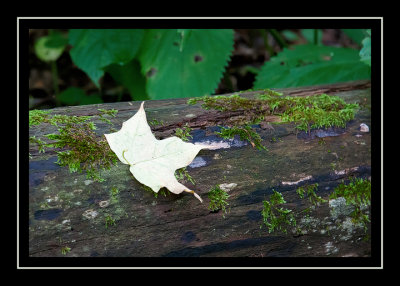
(274, 217)
(81, 150)
(314, 111)
(218, 199)
(184, 132)
(256, 109)
(358, 194)
(86, 152)
(182, 174)
(37, 117)
(109, 220)
(309, 190)
(245, 132)
(308, 112)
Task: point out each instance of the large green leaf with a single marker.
(184, 63)
(94, 49)
(130, 77)
(357, 35)
(310, 65)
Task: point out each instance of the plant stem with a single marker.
(278, 38)
(315, 36)
(264, 34)
(55, 77)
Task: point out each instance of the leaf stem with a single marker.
(123, 155)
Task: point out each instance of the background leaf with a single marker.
(129, 76)
(357, 35)
(365, 52)
(75, 95)
(50, 48)
(308, 34)
(310, 65)
(94, 49)
(184, 67)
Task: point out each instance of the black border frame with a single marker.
(374, 261)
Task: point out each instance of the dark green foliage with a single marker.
(75, 96)
(184, 63)
(306, 65)
(94, 49)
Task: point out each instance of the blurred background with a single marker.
(77, 67)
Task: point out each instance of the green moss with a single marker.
(109, 221)
(358, 194)
(308, 112)
(309, 190)
(182, 174)
(104, 113)
(41, 144)
(38, 116)
(85, 151)
(65, 250)
(114, 194)
(184, 132)
(218, 199)
(245, 133)
(275, 217)
(81, 150)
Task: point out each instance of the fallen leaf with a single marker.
(152, 162)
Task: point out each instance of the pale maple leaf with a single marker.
(152, 162)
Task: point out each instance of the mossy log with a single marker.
(71, 215)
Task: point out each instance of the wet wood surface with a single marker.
(68, 210)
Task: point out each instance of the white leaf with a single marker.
(152, 162)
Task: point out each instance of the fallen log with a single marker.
(72, 215)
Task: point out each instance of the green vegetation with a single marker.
(37, 117)
(109, 220)
(311, 111)
(317, 111)
(138, 59)
(114, 194)
(65, 250)
(311, 64)
(109, 112)
(274, 217)
(358, 194)
(183, 132)
(309, 190)
(218, 199)
(81, 148)
(86, 151)
(182, 174)
(245, 132)
(365, 52)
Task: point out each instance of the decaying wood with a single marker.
(68, 210)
